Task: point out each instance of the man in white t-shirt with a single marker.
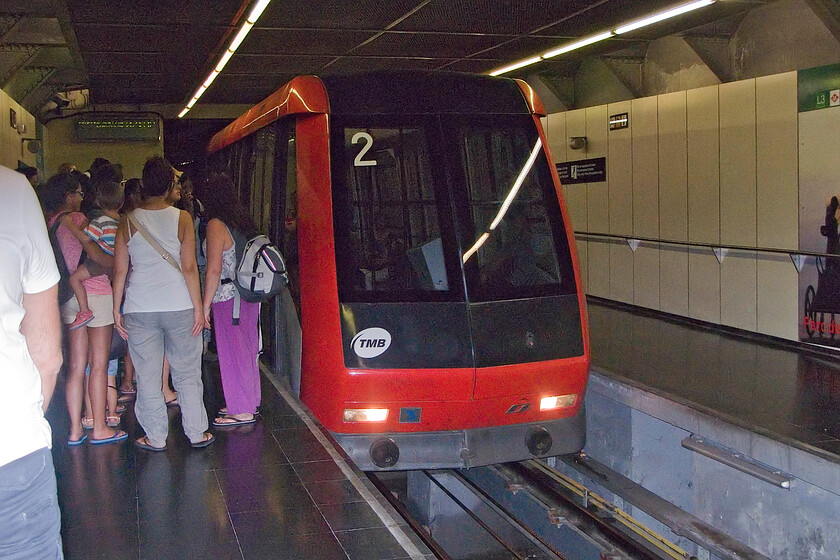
(30, 358)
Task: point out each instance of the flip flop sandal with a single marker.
(143, 443)
(112, 421)
(80, 441)
(204, 442)
(119, 436)
(87, 423)
(119, 409)
(229, 421)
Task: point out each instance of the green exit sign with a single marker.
(93, 127)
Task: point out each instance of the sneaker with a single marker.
(82, 319)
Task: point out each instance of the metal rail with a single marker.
(632, 240)
(427, 539)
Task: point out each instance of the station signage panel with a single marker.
(583, 171)
(92, 127)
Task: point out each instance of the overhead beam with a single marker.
(829, 14)
(628, 70)
(713, 50)
(25, 55)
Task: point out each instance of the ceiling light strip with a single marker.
(673, 12)
(255, 14)
(578, 44)
(655, 18)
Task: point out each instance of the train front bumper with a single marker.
(465, 448)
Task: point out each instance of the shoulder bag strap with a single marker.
(153, 242)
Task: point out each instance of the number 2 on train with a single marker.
(359, 161)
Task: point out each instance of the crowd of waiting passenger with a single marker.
(147, 262)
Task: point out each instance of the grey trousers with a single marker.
(149, 335)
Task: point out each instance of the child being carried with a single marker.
(103, 230)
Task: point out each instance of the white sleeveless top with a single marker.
(154, 285)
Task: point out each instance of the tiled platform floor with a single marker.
(784, 393)
(269, 490)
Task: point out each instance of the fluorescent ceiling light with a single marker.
(607, 34)
(256, 12)
(578, 44)
(515, 66)
(664, 15)
(225, 57)
(243, 32)
(210, 78)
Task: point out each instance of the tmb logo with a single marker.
(371, 342)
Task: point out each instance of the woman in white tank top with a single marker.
(162, 303)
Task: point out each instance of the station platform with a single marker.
(276, 489)
(779, 390)
(740, 432)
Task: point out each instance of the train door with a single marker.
(282, 315)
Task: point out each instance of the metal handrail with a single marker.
(792, 253)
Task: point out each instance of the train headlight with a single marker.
(560, 401)
(365, 414)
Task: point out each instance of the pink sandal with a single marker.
(82, 319)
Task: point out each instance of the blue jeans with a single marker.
(30, 521)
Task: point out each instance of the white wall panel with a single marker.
(703, 285)
(673, 202)
(620, 181)
(621, 272)
(703, 140)
(777, 202)
(555, 133)
(738, 203)
(703, 165)
(646, 276)
(576, 194)
(620, 174)
(673, 280)
(598, 255)
(738, 291)
(673, 173)
(644, 128)
(597, 204)
(777, 176)
(777, 308)
(597, 194)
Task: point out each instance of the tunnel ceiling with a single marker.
(154, 53)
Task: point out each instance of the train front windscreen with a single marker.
(432, 209)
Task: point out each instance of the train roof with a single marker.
(385, 93)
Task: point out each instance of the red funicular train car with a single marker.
(442, 320)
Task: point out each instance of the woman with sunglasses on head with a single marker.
(62, 197)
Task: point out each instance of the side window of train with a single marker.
(514, 242)
(391, 227)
